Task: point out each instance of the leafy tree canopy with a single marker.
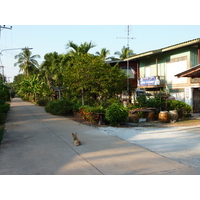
(93, 78)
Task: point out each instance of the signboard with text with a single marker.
(151, 80)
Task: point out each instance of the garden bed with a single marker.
(192, 121)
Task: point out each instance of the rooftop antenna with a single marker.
(128, 38)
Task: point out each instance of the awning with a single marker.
(193, 72)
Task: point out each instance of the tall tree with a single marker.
(54, 67)
(27, 62)
(90, 77)
(103, 53)
(47, 66)
(83, 48)
(125, 53)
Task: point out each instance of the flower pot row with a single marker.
(163, 116)
(168, 116)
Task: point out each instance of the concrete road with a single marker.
(177, 143)
(36, 142)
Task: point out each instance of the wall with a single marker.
(169, 64)
(163, 63)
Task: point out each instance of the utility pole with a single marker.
(8, 79)
(128, 38)
(2, 71)
(3, 27)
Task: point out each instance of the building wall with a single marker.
(193, 57)
(132, 77)
(169, 64)
(172, 59)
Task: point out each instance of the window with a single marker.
(147, 71)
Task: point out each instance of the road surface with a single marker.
(38, 143)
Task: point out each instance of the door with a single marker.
(196, 101)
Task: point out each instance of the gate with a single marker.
(196, 101)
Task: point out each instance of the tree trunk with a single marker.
(59, 92)
(83, 94)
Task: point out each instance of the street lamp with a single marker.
(13, 49)
(9, 50)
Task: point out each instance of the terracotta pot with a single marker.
(173, 115)
(133, 117)
(164, 116)
(150, 116)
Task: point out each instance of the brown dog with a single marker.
(77, 142)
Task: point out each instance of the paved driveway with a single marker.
(178, 143)
(36, 142)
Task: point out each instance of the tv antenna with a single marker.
(128, 38)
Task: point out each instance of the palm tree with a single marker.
(125, 53)
(54, 67)
(103, 53)
(48, 65)
(83, 48)
(26, 61)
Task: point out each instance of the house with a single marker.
(193, 72)
(156, 70)
(130, 69)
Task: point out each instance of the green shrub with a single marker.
(59, 107)
(178, 105)
(116, 114)
(76, 107)
(2, 102)
(91, 113)
(4, 108)
(110, 101)
(155, 101)
(141, 101)
(42, 102)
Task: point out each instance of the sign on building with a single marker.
(151, 80)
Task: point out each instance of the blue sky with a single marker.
(49, 38)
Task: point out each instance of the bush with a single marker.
(59, 107)
(2, 102)
(116, 114)
(179, 105)
(76, 107)
(110, 101)
(91, 113)
(42, 102)
(154, 102)
(4, 108)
